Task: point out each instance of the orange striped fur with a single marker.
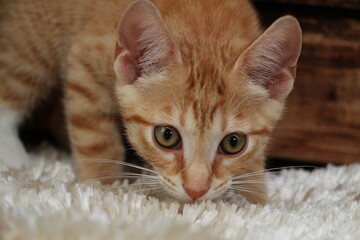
(190, 64)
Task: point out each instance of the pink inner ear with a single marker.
(283, 85)
(126, 68)
(271, 60)
(145, 45)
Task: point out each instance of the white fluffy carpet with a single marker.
(43, 201)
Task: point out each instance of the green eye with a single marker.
(167, 136)
(233, 143)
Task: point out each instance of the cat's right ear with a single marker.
(144, 46)
(270, 62)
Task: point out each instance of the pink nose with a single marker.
(195, 194)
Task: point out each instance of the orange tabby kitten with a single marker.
(198, 85)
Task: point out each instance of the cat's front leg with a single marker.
(93, 124)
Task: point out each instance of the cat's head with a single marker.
(201, 110)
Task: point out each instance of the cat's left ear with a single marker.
(144, 45)
(270, 62)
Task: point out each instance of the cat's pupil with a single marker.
(167, 134)
(233, 140)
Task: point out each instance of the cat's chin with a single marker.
(181, 197)
(199, 200)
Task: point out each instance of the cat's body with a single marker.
(188, 67)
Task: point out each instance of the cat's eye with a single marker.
(167, 136)
(233, 143)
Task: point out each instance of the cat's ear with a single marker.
(144, 45)
(270, 61)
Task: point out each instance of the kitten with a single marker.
(198, 85)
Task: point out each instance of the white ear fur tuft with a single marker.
(144, 46)
(271, 60)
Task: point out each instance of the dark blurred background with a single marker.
(322, 121)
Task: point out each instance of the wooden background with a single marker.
(322, 121)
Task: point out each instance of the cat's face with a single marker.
(200, 109)
(198, 136)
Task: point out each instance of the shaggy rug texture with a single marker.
(43, 201)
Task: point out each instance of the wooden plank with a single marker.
(315, 146)
(323, 51)
(322, 120)
(333, 24)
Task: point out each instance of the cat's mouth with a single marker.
(178, 191)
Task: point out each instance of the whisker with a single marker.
(153, 183)
(126, 173)
(116, 177)
(249, 191)
(104, 177)
(263, 172)
(252, 183)
(99, 160)
(148, 189)
(120, 176)
(242, 188)
(162, 195)
(146, 184)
